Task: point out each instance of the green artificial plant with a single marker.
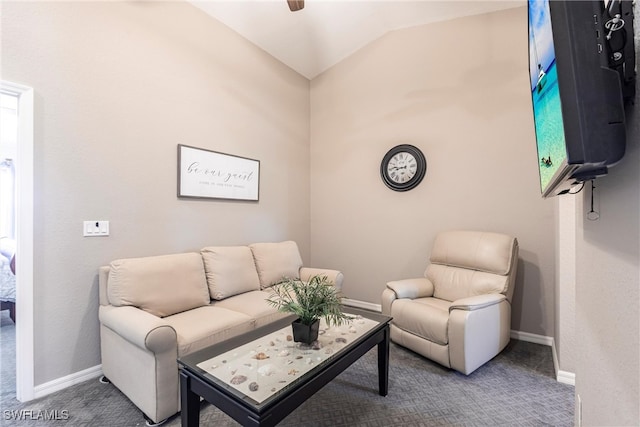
(310, 301)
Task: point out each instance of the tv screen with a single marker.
(576, 95)
(545, 95)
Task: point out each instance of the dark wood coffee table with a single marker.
(260, 377)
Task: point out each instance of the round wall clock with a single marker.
(403, 167)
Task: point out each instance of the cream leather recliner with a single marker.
(459, 314)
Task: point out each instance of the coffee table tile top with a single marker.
(263, 367)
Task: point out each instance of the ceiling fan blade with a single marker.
(295, 5)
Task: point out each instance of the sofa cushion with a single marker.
(254, 305)
(205, 326)
(275, 261)
(230, 271)
(160, 285)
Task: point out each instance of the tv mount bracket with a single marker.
(618, 21)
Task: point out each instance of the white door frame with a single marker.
(24, 241)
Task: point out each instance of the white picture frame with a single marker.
(206, 174)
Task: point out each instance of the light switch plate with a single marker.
(95, 228)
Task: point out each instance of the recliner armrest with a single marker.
(412, 288)
(143, 329)
(334, 276)
(477, 302)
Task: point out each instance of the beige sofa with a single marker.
(156, 309)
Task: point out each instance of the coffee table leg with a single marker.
(383, 364)
(189, 402)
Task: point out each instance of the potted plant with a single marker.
(310, 301)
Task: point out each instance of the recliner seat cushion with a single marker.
(274, 261)
(160, 285)
(230, 271)
(426, 317)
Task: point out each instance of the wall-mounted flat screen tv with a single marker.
(577, 98)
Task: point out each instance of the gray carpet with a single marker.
(517, 388)
(7, 358)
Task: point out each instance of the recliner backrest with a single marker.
(468, 263)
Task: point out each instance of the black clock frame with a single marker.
(420, 172)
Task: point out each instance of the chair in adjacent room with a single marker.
(459, 313)
(8, 276)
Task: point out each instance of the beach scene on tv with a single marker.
(545, 93)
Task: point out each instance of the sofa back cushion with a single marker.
(275, 261)
(230, 271)
(161, 285)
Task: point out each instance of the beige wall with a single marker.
(608, 288)
(608, 295)
(117, 87)
(565, 306)
(458, 91)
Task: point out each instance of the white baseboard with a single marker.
(534, 338)
(565, 377)
(362, 304)
(67, 381)
(94, 372)
(561, 376)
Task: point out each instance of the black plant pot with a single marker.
(305, 333)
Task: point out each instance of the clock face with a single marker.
(403, 167)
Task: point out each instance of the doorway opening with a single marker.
(16, 225)
(8, 155)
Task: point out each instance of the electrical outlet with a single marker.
(95, 228)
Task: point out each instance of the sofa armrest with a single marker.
(103, 278)
(139, 327)
(388, 297)
(334, 276)
(476, 302)
(412, 288)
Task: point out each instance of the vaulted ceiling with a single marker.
(315, 38)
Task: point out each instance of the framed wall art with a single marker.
(206, 174)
